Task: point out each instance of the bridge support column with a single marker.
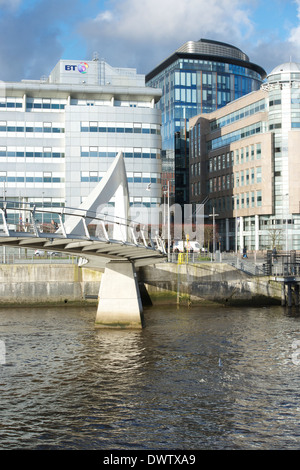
(296, 293)
(120, 303)
(290, 297)
(283, 296)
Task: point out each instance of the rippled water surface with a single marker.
(199, 378)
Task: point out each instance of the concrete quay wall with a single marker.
(212, 282)
(40, 284)
(163, 283)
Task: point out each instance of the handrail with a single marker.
(86, 216)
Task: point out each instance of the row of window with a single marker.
(247, 200)
(188, 95)
(40, 127)
(242, 113)
(191, 70)
(49, 104)
(10, 104)
(242, 178)
(123, 128)
(243, 201)
(239, 156)
(100, 152)
(48, 152)
(136, 177)
(249, 176)
(227, 139)
(246, 154)
(221, 183)
(30, 154)
(220, 162)
(46, 177)
(34, 105)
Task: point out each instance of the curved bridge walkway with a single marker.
(101, 241)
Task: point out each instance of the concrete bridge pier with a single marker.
(296, 295)
(119, 304)
(283, 296)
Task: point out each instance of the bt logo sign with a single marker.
(82, 67)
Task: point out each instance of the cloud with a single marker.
(294, 37)
(142, 33)
(275, 46)
(35, 34)
(30, 37)
(10, 4)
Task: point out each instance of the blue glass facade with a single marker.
(197, 79)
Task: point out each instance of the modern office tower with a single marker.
(199, 77)
(59, 135)
(245, 158)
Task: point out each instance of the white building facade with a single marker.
(59, 135)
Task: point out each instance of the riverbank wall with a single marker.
(164, 283)
(207, 282)
(43, 284)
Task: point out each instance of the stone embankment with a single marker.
(208, 282)
(40, 284)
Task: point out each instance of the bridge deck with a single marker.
(98, 252)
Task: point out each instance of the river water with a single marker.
(199, 378)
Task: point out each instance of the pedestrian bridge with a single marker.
(113, 243)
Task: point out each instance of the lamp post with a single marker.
(167, 192)
(42, 210)
(213, 215)
(286, 222)
(237, 221)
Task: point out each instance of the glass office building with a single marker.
(199, 77)
(245, 159)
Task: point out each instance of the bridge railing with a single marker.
(57, 222)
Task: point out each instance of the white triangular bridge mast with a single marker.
(119, 300)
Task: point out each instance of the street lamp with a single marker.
(167, 192)
(213, 215)
(286, 222)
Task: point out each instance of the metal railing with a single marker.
(52, 222)
(283, 263)
(13, 257)
(251, 265)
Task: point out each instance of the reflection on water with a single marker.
(199, 378)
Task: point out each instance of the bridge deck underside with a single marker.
(98, 252)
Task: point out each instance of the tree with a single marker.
(275, 237)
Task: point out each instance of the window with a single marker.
(47, 177)
(258, 151)
(258, 199)
(258, 174)
(242, 155)
(237, 157)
